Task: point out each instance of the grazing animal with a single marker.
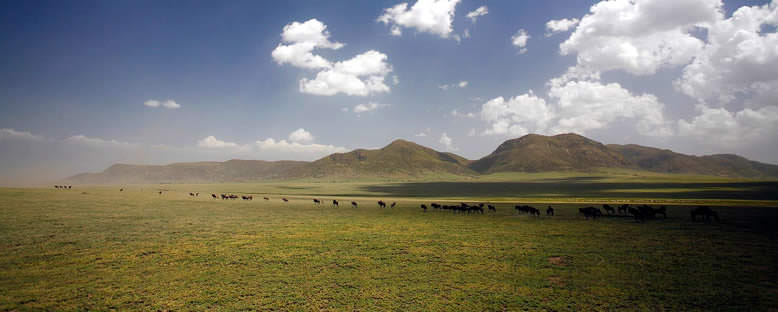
(316, 201)
(550, 211)
(160, 192)
(609, 209)
(191, 194)
(534, 211)
(335, 203)
(623, 208)
(381, 204)
(284, 199)
(393, 204)
(121, 190)
(705, 212)
(647, 211)
(639, 217)
(224, 196)
(661, 211)
(354, 204)
(423, 206)
(491, 208)
(214, 196)
(435, 206)
(70, 186)
(590, 212)
(267, 198)
(197, 194)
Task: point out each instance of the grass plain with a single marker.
(95, 248)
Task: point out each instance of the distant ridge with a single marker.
(405, 159)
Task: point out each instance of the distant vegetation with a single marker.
(407, 160)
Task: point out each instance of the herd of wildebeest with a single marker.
(640, 213)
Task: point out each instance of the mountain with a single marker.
(535, 153)
(198, 172)
(404, 159)
(398, 159)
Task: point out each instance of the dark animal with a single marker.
(354, 204)
(639, 217)
(316, 201)
(70, 186)
(284, 199)
(661, 211)
(609, 209)
(423, 206)
(705, 212)
(647, 211)
(381, 204)
(492, 208)
(393, 204)
(214, 196)
(266, 198)
(121, 190)
(590, 212)
(335, 203)
(434, 205)
(224, 196)
(623, 208)
(191, 194)
(550, 211)
(534, 211)
(160, 192)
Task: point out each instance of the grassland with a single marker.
(95, 248)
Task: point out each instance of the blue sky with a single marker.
(76, 78)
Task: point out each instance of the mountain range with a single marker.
(404, 159)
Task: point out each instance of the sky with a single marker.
(86, 84)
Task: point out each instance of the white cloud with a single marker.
(84, 140)
(11, 134)
(213, 142)
(302, 39)
(472, 132)
(466, 33)
(480, 11)
(169, 104)
(740, 58)
(361, 108)
(447, 142)
(301, 136)
(461, 84)
(430, 16)
(640, 37)
(728, 129)
(457, 114)
(420, 134)
(520, 40)
(586, 105)
(307, 150)
(361, 75)
(562, 25)
(395, 80)
(516, 116)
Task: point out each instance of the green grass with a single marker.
(138, 250)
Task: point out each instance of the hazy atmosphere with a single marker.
(86, 84)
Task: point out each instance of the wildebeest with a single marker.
(550, 211)
(247, 197)
(491, 208)
(705, 212)
(224, 196)
(160, 192)
(435, 205)
(623, 208)
(284, 199)
(354, 204)
(316, 201)
(423, 206)
(191, 194)
(381, 204)
(393, 204)
(214, 196)
(266, 198)
(121, 190)
(335, 203)
(608, 209)
(647, 211)
(639, 217)
(662, 211)
(590, 212)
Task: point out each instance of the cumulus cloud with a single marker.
(640, 37)
(213, 142)
(558, 26)
(732, 128)
(456, 113)
(516, 116)
(520, 40)
(301, 136)
(371, 106)
(480, 11)
(298, 42)
(169, 104)
(461, 84)
(11, 134)
(362, 75)
(739, 58)
(447, 142)
(90, 141)
(430, 16)
(283, 146)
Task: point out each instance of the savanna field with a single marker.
(96, 248)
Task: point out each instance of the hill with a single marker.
(535, 153)
(403, 160)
